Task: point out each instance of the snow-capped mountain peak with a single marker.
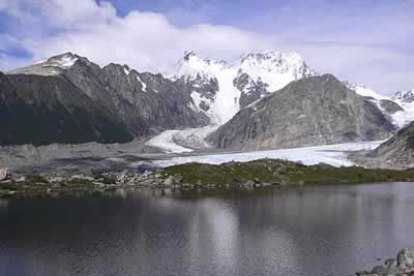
(193, 67)
(274, 57)
(219, 105)
(274, 68)
(52, 66)
(404, 96)
(63, 61)
(241, 82)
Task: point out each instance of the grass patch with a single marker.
(274, 170)
(8, 186)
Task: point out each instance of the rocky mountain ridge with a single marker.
(405, 96)
(313, 111)
(141, 104)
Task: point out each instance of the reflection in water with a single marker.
(309, 231)
(222, 226)
(4, 203)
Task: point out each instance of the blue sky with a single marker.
(363, 41)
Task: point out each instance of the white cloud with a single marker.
(149, 42)
(144, 40)
(81, 14)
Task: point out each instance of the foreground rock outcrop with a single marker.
(403, 265)
(4, 174)
(313, 111)
(395, 153)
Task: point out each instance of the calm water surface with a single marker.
(312, 231)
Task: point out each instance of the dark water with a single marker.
(311, 231)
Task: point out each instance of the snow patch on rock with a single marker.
(404, 96)
(62, 61)
(144, 85)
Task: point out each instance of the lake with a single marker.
(312, 231)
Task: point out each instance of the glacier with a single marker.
(334, 155)
(180, 141)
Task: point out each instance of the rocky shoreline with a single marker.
(403, 265)
(108, 181)
(242, 175)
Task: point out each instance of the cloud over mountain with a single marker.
(151, 41)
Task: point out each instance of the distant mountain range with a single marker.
(260, 101)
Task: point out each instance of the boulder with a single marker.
(406, 258)
(123, 176)
(4, 174)
(169, 181)
(379, 270)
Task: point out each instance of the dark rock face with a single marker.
(312, 111)
(390, 107)
(34, 113)
(252, 90)
(68, 99)
(147, 103)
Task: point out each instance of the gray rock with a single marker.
(4, 174)
(390, 263)
(405, 258)
(379, 270)
(251, 90)
(395, 153)
(56, 179)
(123, 176)
(169, 181)
(21, 179)
(390, 107)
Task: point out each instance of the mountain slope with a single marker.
(312, 111)
(33, 113)
(396, 153)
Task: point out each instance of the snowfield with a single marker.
(335, 155)
(403, 118)
(165, 142)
